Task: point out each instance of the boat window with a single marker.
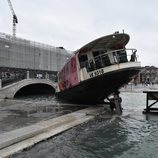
(122, 55)
(97, 59)
(83, 59)
(101, 59)
(96, 53)
(105, 59)
(91, 65)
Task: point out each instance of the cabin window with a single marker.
(105, 59)
(101, 59)
(91, 65)
(96, 53)
(83, 59)
(122, 56)
(97, 59)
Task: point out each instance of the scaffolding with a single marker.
(22, 53)
(17, 56)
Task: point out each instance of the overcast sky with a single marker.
(74, 23)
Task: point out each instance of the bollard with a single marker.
(117, 101)
(28, 75)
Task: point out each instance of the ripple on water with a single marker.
(129, 135)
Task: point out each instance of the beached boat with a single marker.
(97, 70)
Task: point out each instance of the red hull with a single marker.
(95, 90)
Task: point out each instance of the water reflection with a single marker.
(31, 109)
(112, 136)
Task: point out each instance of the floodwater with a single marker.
(132, 134)
(25, 111)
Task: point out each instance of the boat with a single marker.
(97, 70)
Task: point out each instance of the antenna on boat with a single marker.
(124, 37)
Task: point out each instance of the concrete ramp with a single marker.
(19, 139)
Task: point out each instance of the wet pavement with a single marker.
(19, 113)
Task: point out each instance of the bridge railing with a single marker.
(9, 76)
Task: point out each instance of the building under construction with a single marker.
(20, 55)
(21, 58)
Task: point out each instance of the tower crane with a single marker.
(15, 19)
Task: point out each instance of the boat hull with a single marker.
(95, 90)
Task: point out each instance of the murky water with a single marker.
(131, 135)
(28, 110)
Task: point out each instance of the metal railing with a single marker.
(9, 75)
(110, 58)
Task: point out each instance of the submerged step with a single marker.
(19, 139)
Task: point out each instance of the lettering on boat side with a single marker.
(96, 73)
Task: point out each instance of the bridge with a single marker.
(27, 86)
(28, 66)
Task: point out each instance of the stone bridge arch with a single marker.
(13, 89)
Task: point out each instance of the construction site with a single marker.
(17, 56)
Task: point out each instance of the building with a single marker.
(149, 74)
(20, 55)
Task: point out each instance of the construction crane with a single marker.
(15, 19)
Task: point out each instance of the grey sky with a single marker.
(73, 23)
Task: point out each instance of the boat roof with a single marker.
(112, 41)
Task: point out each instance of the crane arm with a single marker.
(15, 19)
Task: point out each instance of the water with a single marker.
(131, 135)
(28, 110)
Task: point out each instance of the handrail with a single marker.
(116, 52)
(110, 58)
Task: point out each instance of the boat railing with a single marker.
(110, 58)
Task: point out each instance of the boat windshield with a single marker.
(102, 58)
